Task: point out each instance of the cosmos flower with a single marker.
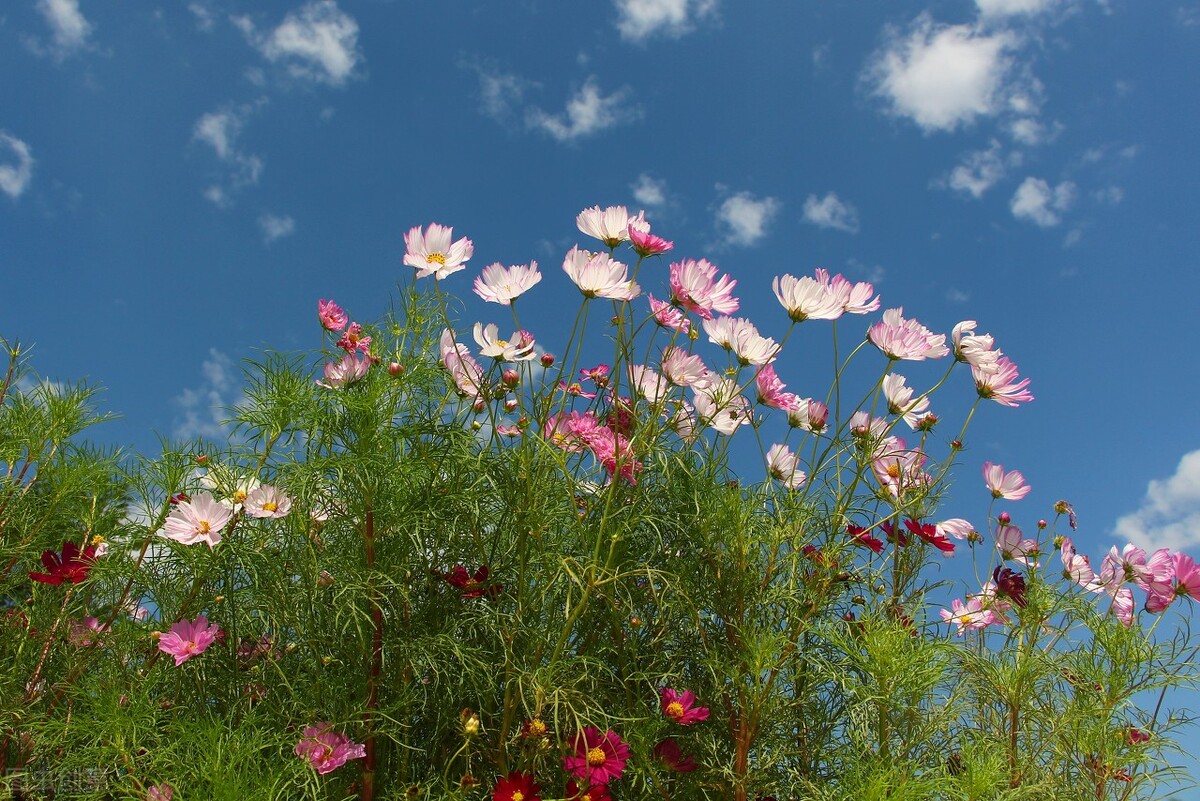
(668, 316)
(1001, 385)
(782, 464)
(352, 340)
(854, 298)
(351, 369)
(432, 253)
(472, 585)
(1010, 486)
(497, 284)
(1011, 585)
(673, 757)
(597, 275)
(594, 792)
(462, 367)
(904, 339)
(188, 638)
(268, 501)
(610, 225)
(899, 400)
(1013, 546)
(198, 520)
(72, 565)
(863, 537)
(977, 350)
(808, 415)
(771, 390)
(685, 370)
(517, 348)
(722, 407)
(930, 534)
(807, 298)
(331, 315)
(327, 750)
(681, 707)
(968, 616)
(160, 792)
(695, 287)
(598, 758)
(517, 786)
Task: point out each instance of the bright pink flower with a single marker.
(160, 792)
(84, 632)
(433, 254)
(610, 225)
(188, 638)
(1011, 486)
(198, 520)
(863, 537)
(575, 389)
(681, 707)
(598, 758)
(694, 286)
(517, 786)
(268, 501)
(598, 375)
(807, 298)
(472, 585)
(331, 315)
(351, 369)
(1187, 577)
(809, 415)
(326, 750)
(1153, 575)
(597, 275)
(929, 532)
(899, 400)
(668, 316)
(353, 340)
(645, 243)
(771, 390)
(72, 565)
(1002, 385)
(782, 464)
(673, 757)
(496, 284)
(900, 338)
(614, 452)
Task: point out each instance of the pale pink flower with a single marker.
(1122, 605)
(517, 348)
(869, 429)
(904, 339)
(568, 432)
(432, 253)
(160, 792)
(682, 420)
(610, 225)
(969, 616)
(268, 502)
(352, 340)
(809, 415)
(1011, 485)
(84, 632)
(351, 369)
(188, 638)
(497, 284)
(956, 527)
(1001, 385)
(782, 465)
(1153, 575)
(742, 338)
(854, 298)
(771, 391)
(1014, 546)
(685, 370)
(331, 315)
(599, 276)
(198, 520)
(977, 350)
(807, 298)
(668, 316)
(327, 750)
(721, 407)
(899, 400)
(898, 467)
(462, 367)
(694, 286)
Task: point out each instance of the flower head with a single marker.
(517, 348)
(673, 757)
(807, 298)
(598, 758)
(771, 390)
(72, 565)
(899, 401)
(975, 350)
(497, 284)
(905, 339)
(599, 276)
(472, 586)
(681, 707)
(1000, 384)
(462, 367)
(351, 369)
(432, 253)
(353, 340)
(1011, 585)
(1010, 486)
(721, 406)
(198, 520)
(594, 792)
(331, 315)
(160, 792)
(517, 786)
(188, 638)
(268, 501)
(327, 750)
(862, 536)
(610, 225)
(782, 464)
(694, 286)
(668, 316)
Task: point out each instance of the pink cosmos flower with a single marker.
(976, 350)
(1011, 486)
(854, 298)
(84, 632)
(721, 406)
(904, 339)
(741, 338)
(331, 315)
(899, 401)
(647, 244)
(496, 284)
(1002, 385)
(782, 464)
(809, 415)
(898, 467)
(350, 370)
(610, 225)
(1014, 546)
(685, 370)
(956, 527)
(614, 451)
(517, 348)
(462, 367)
(433, 254)
(771, 390)
(1122, 606)
(1187, 577)
(597, 275)
(198, 520)
(327, 750)
(930, 534)
(807, 298)
(694, 286)
(160, 792)
(673, 757)
(188, 638)
(1077, 567)
(598, 375)
(667, 316)
(969, 616)
(598, 758)
(681, 707)
(268, 502)
(353, 340)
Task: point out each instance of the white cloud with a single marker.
(220, 130)
(275, 227)
(942, 76)
(587, 112)
(500, 93)
(1110, 195)
(1169, 516)
(317, 42)
(640, 19)
(831, 212)
(1037, 203)
(69, 27)
(744, 219)
(205, 18)
(649, 192)
(978, 172)
(204, 408)
(15, 176)
(954, 295)
(1010, 8)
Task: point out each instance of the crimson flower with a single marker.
(598, 758)
(861, 536)
(929, 532)
(681, 708)
(471, 586)
(1011, 585)
(517, 787)
(73, 565)
(594, 792)
(674, 758)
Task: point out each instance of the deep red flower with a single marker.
(681, 708)
(1011, 585)
(1135, 736)
(861, 536)
(594, 792)
(72, 566)
(893, 534)
(598, 758)
(517, 787)
(930, 534)
(472, 586)
(673, 757)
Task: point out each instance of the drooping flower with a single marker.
(1122, 605)
(956, 527)
(1187, 577)
(904, 339)
(517, 348)
(331, 315)
(899, 400)
(695, 287)
(1077, 567)
(432, 253)
(326, 750)
(72, 565)
(517, 786)
(352, 340)
(498, 284)
(610, 225)
(188, 638)
(673, 757)
(668, 316)
(198, 520)
(807, 298)
(472, 585)
(351, 369)
(462, 367)
(976, 350)
(1010, 486)
(645, 243)
(597, 275)
(782, 464)
(268, 502)
(598, 758)
(1011, 585)
(681, 707)
(771, 390)
(1001, 385)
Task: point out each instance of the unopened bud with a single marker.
(201, 458)
(1042, 524)
(476, 425)
(635, 621)
(470, 722)
(547, 360)
(478, 406)
(395, 369)
(218, 599)
(511, 404)
(324, 578)
(1004, 519)
(511, 377)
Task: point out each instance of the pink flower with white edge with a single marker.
(721, 407)
(1122, 606)
(782, 465)
(350, 370)
(977, 350)
(326, 750)
(771, 390)
(807, 298)
(268, 502)
(669, 317)
(899, 400)
(854, 298)
(1001, 385)
(905, 339)
(1014, 546)
(685, 370)
(498, 284)
(681, 707)
(969, 616)
(610, 225)
(955, 527)
(198, 520)
(597, 275)
(648, 383)
(188, 638)
(695, 287)
(331, 315)
(647, 244)
(1010, 486)
(432, 253)
(1077, 567)
(809, 415)
(462, 367)
(517, 348)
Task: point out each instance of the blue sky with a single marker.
(179, 183)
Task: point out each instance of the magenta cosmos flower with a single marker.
(71, 566)
(673, 757)
(681, 707)
(645, 243)
(904, 339)
(331, 315)
(694, 286)
(1011, 485)
(326, 750)
(498, 284)
(188, 638)
(432, 252)
(771, 390)
(198, 520)
(599, 276)
(598, 758)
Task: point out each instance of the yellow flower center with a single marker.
(97, 540)
(440, 258)
(240, 495)
(537, 727)
(596, 757)
(893, 470)
(502, 343)
(518, 796)
(675, 709)
(203, 527)
(270, 506)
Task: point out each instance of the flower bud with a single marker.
(1041, 525)
(470, 722)
(202, 459)
(478, 406)
(510, 377)
(511, 404)
(324, 579)
(1004, 519)
(547, 360)
(395, 369)
(476, 425)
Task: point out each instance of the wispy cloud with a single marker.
(649, 192)
(993, 9)
(638, 20)
(978, 171)
(588, 112)
(1169, 516)
(15, 175)
(1036, 202)
(501, 93)
(69, 29)
(317, 42)
(831, 212)
(202, 11)
(220, 130)
(274, 227)
(204, 408)
(743, 219)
